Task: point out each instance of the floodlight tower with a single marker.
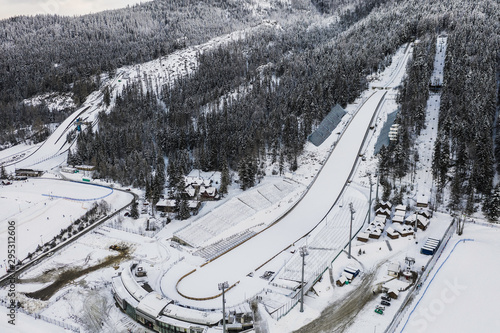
(303, 254)
(350, 227)
(223, 286)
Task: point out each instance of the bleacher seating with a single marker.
(233, 212)
(327, 242)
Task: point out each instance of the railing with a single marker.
(415, 289)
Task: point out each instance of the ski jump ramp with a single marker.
(234, 266)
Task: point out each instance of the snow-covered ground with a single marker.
(42, 207)
(460, 294)
(315, 222)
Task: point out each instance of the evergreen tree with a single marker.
(224, 179)
(183, 210)
(491, 205)
(134, 211)
(3, 173)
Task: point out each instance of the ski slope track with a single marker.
(324, 192)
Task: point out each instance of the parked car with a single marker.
(380, 307)
(379, 311)
(385, 303)
(386, 298)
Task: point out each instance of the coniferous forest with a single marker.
(258, 98)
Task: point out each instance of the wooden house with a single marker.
(422, 222)
(391, 233)
(423, 201)
(398, 219)
(194, 206)
(208, 193)
(363, 237)
(385, 205)
(166, 206)
(375, 233)
(383, 211)
(393, 269)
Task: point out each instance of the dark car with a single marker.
(386, 298)
(385, 303)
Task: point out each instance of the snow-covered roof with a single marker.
(401, 207)
(383, 211)
(391, 231)
(400, 213)
(376, 232)
(423, 221)
(393, 267)
(122, 292)
(398, 219)
(381, 218)
(190, 180)
(385, 204)
(193, 204)
(210, 191)
(423, 199)
(363, 235)
(153, 304)
(190, 190)
(131, 284)
(166, 203)
(192, 315)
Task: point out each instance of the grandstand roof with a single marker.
(153, 304)
(327, 125)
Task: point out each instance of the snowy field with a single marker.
(460, 294)
(42, 207)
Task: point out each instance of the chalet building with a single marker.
(393, 269)
(423, 201)
(392, 234)
(381, 218)
(190, 192)
(385, 205)
(383, 211)
(166, 206)
(195, 182)
(425, 213)
(208, 193)
(194, 206)
(363, 237)
(422, 222)
(398, 219)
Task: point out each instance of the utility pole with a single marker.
(350, 227)
(223, 286)
(370, 200)
(303, 254)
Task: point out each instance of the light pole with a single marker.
(223, 286)
(370, 200)
(350, 227)
(303, 254)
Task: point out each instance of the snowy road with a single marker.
(235, 265)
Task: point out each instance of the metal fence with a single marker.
(415, 290)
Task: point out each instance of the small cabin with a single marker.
(393, 269)
(423, 201)
(392, 234)
(383, 211)
(363, 237)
